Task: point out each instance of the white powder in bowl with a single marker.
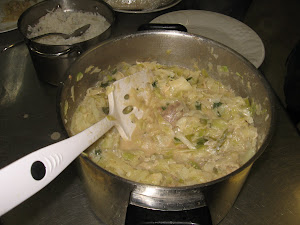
(66, 22)
(137, 4)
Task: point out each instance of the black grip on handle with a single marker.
(38, 170)
(163, 26)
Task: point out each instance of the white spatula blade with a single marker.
(117, 102)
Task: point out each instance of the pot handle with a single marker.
(57, 54)
(28, 175)
(12, 46)
(158, 26)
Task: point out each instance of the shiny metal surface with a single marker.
(51, 61)
(168, 48)
(78, 32)
(28, 120)
(161, 8)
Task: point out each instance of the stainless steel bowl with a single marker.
(110, 194)
(126, 6)
(52, 61)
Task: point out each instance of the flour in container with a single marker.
(60, 21)
(137, 4)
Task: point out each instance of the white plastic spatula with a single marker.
(28, 175)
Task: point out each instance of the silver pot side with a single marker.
(221, 196)
(52, 61)
(109, 194)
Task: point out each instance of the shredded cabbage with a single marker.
(193, 130)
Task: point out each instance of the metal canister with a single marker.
(52, 61)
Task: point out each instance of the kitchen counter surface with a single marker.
(29, 121)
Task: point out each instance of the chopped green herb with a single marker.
(253, 109)
(114, 71)
(204, 73)
(203, 121)
(225, 68)
(154, 84)
(79, 76)
(189, 78)
(251, 105)
(106, 84)
(66, 107)
(169, 155)
(105, 110)
(176, 139)
(128, 156)
(200, 142)
(247, 101)
(189, 136)
(163, 107)
(217, 104)
(195, 165)
(222, 140)
(98, 152)
(198, 105)
(238, 74)
(171, 77)
(215, 170)
(109, 77)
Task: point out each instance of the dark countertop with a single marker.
(28, 118)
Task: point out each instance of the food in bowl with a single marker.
(193, 130)
(60, 21)
(137, 4)
(12, 10)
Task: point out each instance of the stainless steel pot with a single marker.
(52, 61)
(110, 194)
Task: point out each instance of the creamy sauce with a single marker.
(193, 130)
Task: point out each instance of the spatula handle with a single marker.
(26, 176)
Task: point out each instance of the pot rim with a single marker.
(57, 5)
(249, 163)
